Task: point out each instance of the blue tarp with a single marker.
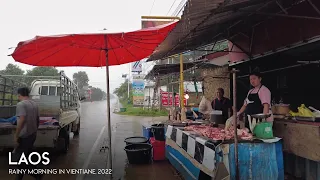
(12, 120)
(257, 161)
(190, 115)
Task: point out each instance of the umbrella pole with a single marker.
(108, 109)
(109, 116)
(234, 80)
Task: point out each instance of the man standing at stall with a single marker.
(222, 103)
(258, 100)
(27, 113)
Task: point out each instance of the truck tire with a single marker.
(63, 140)
(76, 132)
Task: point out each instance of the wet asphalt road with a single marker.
(84, 152)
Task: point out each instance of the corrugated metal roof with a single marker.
(202, 22)
(163, 69)
(220, 61)
(189, 86)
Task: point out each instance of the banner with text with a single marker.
(166, 99)
(138, 89)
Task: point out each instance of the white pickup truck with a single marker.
(60, 111)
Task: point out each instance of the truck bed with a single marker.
(7, 111)
(11, 126)
(46, 135)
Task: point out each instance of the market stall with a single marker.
(292, 83)
(198, 157)
(279, 37)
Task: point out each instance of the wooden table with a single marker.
(301, 139)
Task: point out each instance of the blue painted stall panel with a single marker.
(182, 164)
(258, 161)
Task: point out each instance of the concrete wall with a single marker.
(211, 83)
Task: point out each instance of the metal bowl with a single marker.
(260, 116)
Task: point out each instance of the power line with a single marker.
(152, 6)
(171, 6)
(179, 8)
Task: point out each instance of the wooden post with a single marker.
(183, 113)
(234, 76)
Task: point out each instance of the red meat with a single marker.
(218, 133)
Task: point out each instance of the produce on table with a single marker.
(303, 111)
(219, 133)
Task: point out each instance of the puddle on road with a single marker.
(159, 170)
(80, 148)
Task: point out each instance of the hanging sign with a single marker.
(136, 66)
(138, 90)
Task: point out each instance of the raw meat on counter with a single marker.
(219, 133)
(177, 121)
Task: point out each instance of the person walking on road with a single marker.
(27, 113)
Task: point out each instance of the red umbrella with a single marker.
(93, 50)
(90, 49)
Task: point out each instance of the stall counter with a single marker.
(193, 155)
(301, 139)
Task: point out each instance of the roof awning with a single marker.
(164, 69)
(202, 22)
(211, 60)
(255, 26)
(217, 58)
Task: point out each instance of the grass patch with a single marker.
(138, 111)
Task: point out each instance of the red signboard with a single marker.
(166, 99)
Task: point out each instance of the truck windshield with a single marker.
(44, 90)
(50, 91)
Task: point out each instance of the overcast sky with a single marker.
(23, 19)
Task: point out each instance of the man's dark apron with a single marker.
(221, 107)
(255, 107)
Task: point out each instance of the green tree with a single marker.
(41, 71)
(122, 91)
(12, 69)
(8, 85)
(81, 79)
(97, 94)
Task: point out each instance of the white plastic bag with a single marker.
(229, 123)
(205, 106)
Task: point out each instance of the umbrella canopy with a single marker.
(90, 49)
